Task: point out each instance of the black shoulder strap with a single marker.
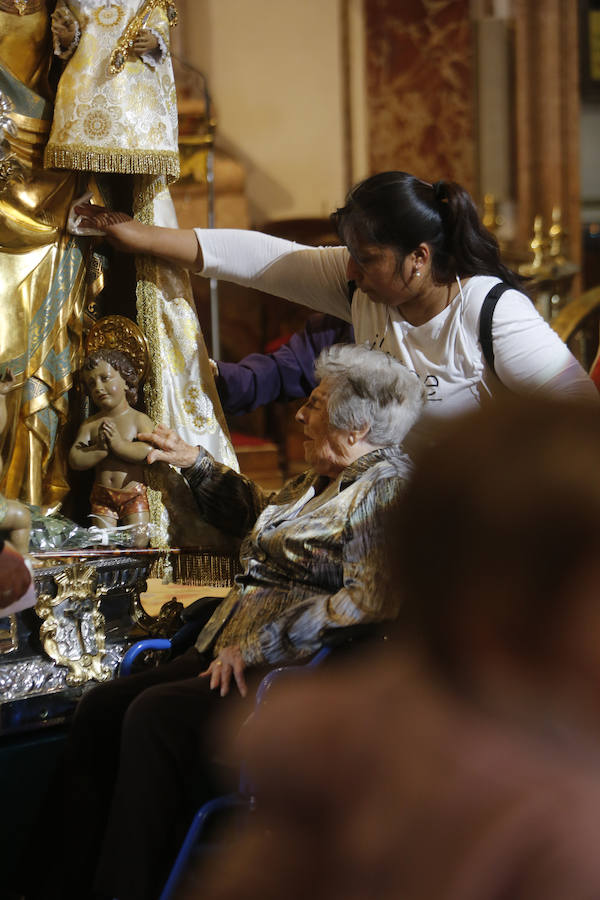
(351, 289)
(485, 322)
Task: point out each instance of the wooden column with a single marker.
(547, 117)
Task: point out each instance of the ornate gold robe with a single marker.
(115, 120)
(42, 270)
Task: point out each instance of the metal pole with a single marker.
(214, 285)
(210, 184)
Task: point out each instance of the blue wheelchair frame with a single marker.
(242, 799)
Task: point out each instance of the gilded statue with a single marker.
(42, 268)
(15, 518)
(48, 275)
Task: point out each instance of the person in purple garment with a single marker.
(285, 374)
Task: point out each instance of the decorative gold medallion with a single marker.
(21, 6)
(109, 16)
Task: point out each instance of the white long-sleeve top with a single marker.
(444, 352)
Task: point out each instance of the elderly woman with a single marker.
(310, 563)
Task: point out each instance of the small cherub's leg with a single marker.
(17, 522)
(103, 521)
(141, 538)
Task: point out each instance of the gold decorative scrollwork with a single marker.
(166, 622)
(72, 631)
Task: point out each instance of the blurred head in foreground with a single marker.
(498, 546)
(444, 767)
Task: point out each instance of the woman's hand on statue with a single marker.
(168, 447)
(121, 230)
(177, 245)
(145, 41)
(229, 662)
(63, 27)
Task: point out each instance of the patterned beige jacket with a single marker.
(311, 558)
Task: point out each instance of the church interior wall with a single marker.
(275, 71)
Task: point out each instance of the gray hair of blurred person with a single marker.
(369, 387)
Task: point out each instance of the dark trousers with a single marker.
(141, 759)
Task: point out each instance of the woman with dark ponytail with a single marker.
(397, 210)
(416, 266)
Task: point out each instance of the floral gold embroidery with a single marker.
(96, 124)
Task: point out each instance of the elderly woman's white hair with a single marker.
(368, 387)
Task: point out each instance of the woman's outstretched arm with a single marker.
(313, 276)
(178, 245)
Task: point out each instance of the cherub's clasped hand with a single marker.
(107, 432)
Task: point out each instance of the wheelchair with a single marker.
(243, 801)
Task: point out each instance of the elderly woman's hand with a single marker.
(170, 448)
(229, 662)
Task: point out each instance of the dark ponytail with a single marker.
(397, 210)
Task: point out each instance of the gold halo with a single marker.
(120, 333)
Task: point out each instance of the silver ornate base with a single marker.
(86, 616)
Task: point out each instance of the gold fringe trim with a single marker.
(147, 303)
(123, 162)
(145, 194)
(201, 568)
(119, 55)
